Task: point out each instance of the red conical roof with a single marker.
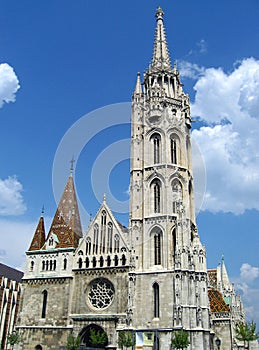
(39, 236)
(66, 224)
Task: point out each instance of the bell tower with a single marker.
(169, 272)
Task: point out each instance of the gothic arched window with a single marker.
(88, 246)
(80, 263)
(116, 243)
(44, 304)
(103, 232)
(157, 248)
(156, 140)
(156, 188)
(175, 149)
(65, 264)
(109, 239)
(156, 299)
(177, 193)
(96, 234)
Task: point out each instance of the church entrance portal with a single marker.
(93, 337)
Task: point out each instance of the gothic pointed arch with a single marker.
(156, 145)
(87, 333)
(157, 239)
(156, 195)
(177, 193)
(156, 310)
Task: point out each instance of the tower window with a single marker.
(174, 151)
(156, 187)
(65, 264)
(44, 304)
(156, 299)
(157, 248)
(177, 194)
(156, 140)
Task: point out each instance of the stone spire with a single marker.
(66, 225)
(161, 59)
(39, 235)
(138, 89)
(224, 276)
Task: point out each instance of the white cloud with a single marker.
(248, 273)
(229, 103)
(202, 45)
(16, 237)
(9, 84)
(11, 199)
(190, 70)
(247, 284)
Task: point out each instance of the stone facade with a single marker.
(149, 279)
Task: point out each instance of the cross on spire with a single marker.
(72, 161)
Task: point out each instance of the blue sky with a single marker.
(60, 60)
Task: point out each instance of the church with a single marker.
(147, 280)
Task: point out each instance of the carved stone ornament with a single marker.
(101, 293)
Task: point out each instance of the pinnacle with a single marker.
(161, 59)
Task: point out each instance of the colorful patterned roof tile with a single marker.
(217, 303)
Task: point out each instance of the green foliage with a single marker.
(126, 339)
(13, 338)
(246, 331)
(73, 343)
(180, 339)
(97, 337)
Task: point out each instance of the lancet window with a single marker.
(156, 299)
(109, 238)
(96, 234)
(103, 232)
(156, 140)
(175, 149)
(177, 194)
(156, 188)
(44, 304)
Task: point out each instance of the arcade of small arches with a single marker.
(95, 262)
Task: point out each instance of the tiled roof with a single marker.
(217, 303)
(66, 224)
(39, 236)
(9, 272)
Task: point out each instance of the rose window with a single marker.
(101, 293)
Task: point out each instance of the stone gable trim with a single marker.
(101, 271)
(40, 281)
(34, 252)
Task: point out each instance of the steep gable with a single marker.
(105, 243)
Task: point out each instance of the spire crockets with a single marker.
(161, 59)
(66, 225)
(39, 235)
